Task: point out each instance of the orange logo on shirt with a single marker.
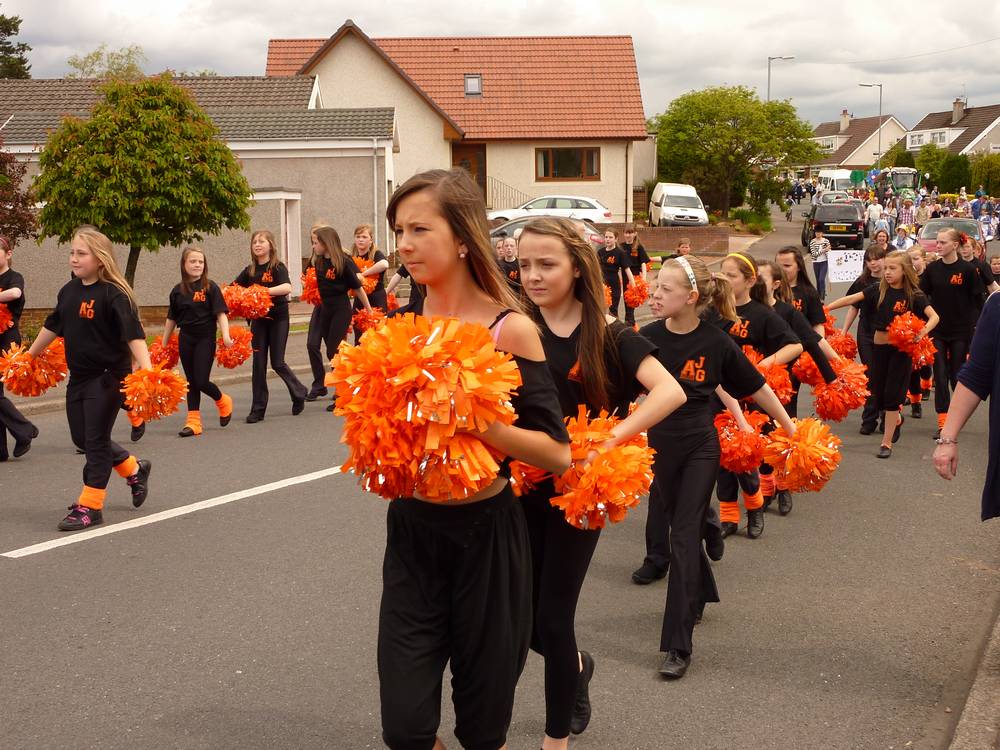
(635, 253)
(900, 307)
(740, 329)
(87, 310)
(797, 304)
(267, 277)
(331, 274)
(610, 260)
(694, 370)
(575, 373)
(198, 296)
(514, 275)
(956, 279)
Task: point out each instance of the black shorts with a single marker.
(456, 587)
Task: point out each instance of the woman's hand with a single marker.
(227, 341)
(946, 460)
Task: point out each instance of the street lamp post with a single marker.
(871, 86)
(777, 57)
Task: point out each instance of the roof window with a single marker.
(473, 84)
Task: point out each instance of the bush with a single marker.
(755, 223)
(955, 173)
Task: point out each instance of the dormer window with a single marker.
(473, 84)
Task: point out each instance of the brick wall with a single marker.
(657, 240)
(152, 317)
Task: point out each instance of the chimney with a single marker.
(957, 111)
(845, 121)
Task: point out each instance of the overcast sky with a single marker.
(679, 46)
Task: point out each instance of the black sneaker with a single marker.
(867, 429)
(23, 446)
(139, 482)
(137, 432)
(316, 393)
(80, 517)
(647, 573)
(899, 427)
(925, 396)
(917, 410)
(755, 523)
(715, 543)
(675, 664)
(298, 404)
(784, 502)
(884, 451)
(331, 407)
(254, 418)
(581, 707)
(768, 499)
(729, 528)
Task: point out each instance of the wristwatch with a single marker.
(946, 441)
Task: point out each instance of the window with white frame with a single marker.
(917, 139)
(473, 84)
(939, 137)
(827, 144)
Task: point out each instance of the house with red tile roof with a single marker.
(961, 130)
(527, 116)
(852, 142)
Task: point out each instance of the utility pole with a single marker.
(871, 86)
(769, 59)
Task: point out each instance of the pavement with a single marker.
(238, 607)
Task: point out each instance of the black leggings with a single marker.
(91, 408)
(269, 339)
(456, 586)
(197, 358)
(890, 376)
(560, 555)
(916, 380)
(11, 420)
(866, 350)
(328, 325)
(948, 360)
(615, 283)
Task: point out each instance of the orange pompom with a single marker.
(310, 289)
(637, 293)
(844, 344)
(241, 350)
(413, 394)
(250, 302)
(806, 371)
(166, 355)
(363, 320)
(391, 302)
(903, 332)
(923, 353)
(525, 477)
(829, 324)
(741, 451)
(152, 394)
(607, 295)
(368, 283)
(806, 460)
(6, 319)
(775, 375)
(834, 401)
(25, 375)
(592, 493)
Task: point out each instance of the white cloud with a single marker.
(680, 46)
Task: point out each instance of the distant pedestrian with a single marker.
(819, 247)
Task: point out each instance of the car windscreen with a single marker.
(970, 227)
(835, 212)
(681, 201)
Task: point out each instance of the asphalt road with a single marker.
(855, 622)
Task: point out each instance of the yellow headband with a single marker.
(746, 260)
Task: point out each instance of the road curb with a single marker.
(979, 726)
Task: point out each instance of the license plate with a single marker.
(838, 227)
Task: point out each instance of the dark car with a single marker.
(508, 229)
(860, 204)
(841, 224)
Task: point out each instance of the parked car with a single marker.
(508, 229)
(971, 227)
(841, 223)
(860, 205)
(834, 196)
(675, 204)
(567, 206)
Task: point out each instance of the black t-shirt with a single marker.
(511, 271)
(700, 361)
(613, 262)
(97, 321)
(806, 300)
(331, 285)
(760, 327)
(797, 322)
(955, 290)
(377, 257)
(714, 317)
(636, 256)
(196, 313)
(11, 279)
(622, 364)
(269, 277)
(865, 325)
(895, 303)
(415, 292)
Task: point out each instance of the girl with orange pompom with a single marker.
(196, 307)
(457, 575)
(603, 364)
(270, 334)
(12, 299)
(921, 379)
(638, 261)
(97, 316)
(365, 252)
(761, 328)
(897, 293)
(709, 366)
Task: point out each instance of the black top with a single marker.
(622, 364)
(955, 290)
(808, 336)
(97, 321)
(415, 292)
(613, 262)
(714, 317)
(865, 327)
(635, 255)
(375, 258)
(269, 277)
(895, 303)
(511, 271)
(332, 286)
(701, 361)
(760, 327)
(11, 279)
(806, 300)
(196, 313)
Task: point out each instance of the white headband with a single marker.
(688, 270)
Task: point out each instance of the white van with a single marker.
(835, 179)
(674, 204)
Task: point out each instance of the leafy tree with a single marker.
(13, 56)
(891, 158)
(930, 159)
(905, 159)
(148, 168)
(17, 219)
(717, 137)
(955, 173)
(986, 172)
(124, 63)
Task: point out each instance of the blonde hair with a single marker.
(911, 282)
(102, 249)
(272, 260)
(712, 290)
(368, 229)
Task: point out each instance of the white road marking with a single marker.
(232, 497)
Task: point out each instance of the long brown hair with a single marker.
(272, 259)
(782, 289)
(596, 339)
(329, 238)
(872, 252)
(462, 206)
(368, 229)
(187, 283)
(800, 263)
(714, 291)
(749, 270)
(108, 271)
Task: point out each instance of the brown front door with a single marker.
(472, 158)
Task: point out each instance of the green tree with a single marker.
(124, 63)
(955, 173)
(13, 56)
(891, 157)
(717, 137)
(930, 159)
(986, 172)
(905, 159)
(148, 168)
(17, 219)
